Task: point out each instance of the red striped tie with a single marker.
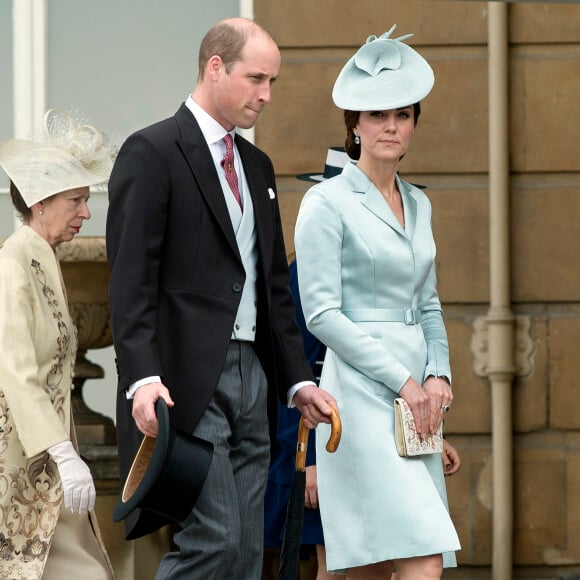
(230, 170)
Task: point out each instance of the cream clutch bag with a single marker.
(408, 442)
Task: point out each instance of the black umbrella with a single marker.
(290, 553)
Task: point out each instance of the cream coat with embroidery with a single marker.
(37, 355)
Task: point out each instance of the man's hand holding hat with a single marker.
(144, 406)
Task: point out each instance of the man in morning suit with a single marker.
(201, 311)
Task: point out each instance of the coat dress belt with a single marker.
(405, 315)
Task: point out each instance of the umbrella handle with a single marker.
(331, 445)
(301, 446)
(335, 432)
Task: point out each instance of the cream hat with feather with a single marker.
(68, 156)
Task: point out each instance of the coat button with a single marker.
(236, 287)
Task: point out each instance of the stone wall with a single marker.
(450, 156)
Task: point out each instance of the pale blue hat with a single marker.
(385, 73)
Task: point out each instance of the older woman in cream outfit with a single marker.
(47, 528)
(366, 272)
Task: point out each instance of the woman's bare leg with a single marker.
(378, 571)
(420, 568)
(322, 574)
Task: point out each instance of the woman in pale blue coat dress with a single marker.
(366, 269)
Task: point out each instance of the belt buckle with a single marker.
(410, 317)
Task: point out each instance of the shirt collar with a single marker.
(210, 128)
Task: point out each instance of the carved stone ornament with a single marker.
(524, 346)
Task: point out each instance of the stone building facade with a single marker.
(450, 155)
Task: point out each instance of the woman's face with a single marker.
(385, 135)
(63, 215)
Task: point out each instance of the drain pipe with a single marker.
(501, 362)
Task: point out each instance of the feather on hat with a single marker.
(69, 155)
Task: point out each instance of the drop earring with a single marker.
(357, 140)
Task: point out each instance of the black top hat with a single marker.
(336, 159)
(167, 474)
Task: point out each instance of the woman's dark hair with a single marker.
(18, 202)
(351, 120)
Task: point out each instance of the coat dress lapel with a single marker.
(376, 203)
(409, 206)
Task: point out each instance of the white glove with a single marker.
(75, 476)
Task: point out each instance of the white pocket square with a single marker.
(271, 193)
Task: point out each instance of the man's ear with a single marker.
(215, 67)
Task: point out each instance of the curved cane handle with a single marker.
(335, 432)
(331, 445)
(301, 446)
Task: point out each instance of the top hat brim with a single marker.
(316, 177)
(336, 159)
(167, 474)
